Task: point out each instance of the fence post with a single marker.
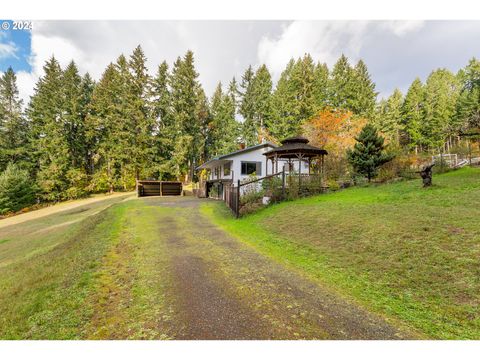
(237, 207)
(283, 182)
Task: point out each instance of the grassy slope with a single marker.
(407, 252)
(94, 277)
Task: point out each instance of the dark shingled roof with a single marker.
(293, 146)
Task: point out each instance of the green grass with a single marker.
(83, 274)
(409, 253)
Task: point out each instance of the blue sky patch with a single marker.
(15, 46)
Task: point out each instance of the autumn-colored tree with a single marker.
(334, 130)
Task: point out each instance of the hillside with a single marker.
(409, 253)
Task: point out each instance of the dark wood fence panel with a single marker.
(232, 198)
(159, 188)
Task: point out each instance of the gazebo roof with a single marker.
(295, 147)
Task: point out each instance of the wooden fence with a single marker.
(158, 188)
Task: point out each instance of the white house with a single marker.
(239, 165)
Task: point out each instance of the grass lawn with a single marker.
(410, 253)
(90, 272)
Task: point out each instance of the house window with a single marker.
(226, 169)
(250, 167)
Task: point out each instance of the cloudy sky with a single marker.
(395, 51)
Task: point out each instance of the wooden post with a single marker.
(283, 182)
(161, 188)
(299, 174)
(237, 205)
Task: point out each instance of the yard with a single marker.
(381, 262)
(401, 250)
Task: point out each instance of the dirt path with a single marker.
(223, 289)
(64, 206)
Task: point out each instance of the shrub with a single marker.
(333, 185)
(16, 189)
(213, 193)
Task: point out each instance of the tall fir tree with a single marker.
(342, 89)
(365, 97)
(413, 114)
(13, 124)
(247, 106)
(441, 93)
(49, 143)
(389, 118)
(284, 124)
(321, 86)
(262, 104)
(140, 115)
(165, 132)
(468, 105)
(224, 127)
(184, 87)
(104, 130)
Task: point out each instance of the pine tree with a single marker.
(262, 104)
(204, 118)
(412, 114)
(468, 105)
(321, 86)
(104, 130)
(13, 125)
(363, 102)
(17, 189)
(389, 118)
(50, 146)
(224, 127)
(342, 90)
(295, 97)
(140, 118)
(184, 87)
(284, 122)
(247, 107)
(165, 132)
(441, 93)
(368, 153)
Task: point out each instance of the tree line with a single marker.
(77, 136)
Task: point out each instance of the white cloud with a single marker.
(324, 40)
(8, 50)
(403, 27)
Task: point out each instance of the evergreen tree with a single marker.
(165, 132)
(468, 105)
(368, 153)
(389, 118)
(441, 93)
(262, 103)
(284, 122)
(104, 130)
(184, 89)
(13, 125)
(412, 114)
(247, 107)
(140, 117)
(343, 89)
(50, 145)
(364, 99)
(321, 86)
(17, 189)
(224, 127)
(204, 120)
